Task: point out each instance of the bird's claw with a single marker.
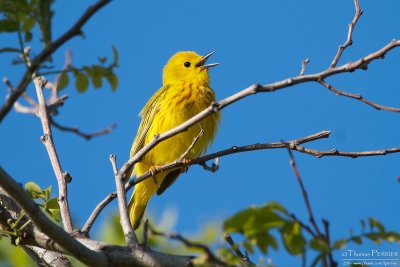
(185, 164)
(153, 171)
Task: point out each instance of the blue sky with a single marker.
(256, 42)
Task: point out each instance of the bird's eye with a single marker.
(186, 64)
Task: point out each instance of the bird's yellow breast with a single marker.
(182, 101)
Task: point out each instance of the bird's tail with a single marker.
(138, 202)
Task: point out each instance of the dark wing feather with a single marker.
(168, 181)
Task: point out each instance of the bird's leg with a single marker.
(185, 164)
(153, 171)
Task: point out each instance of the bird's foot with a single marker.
(153, 171)
(185, 164)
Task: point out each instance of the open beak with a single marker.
(203, 61)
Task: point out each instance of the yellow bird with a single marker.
(185, 92)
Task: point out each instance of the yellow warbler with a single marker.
(185, 93)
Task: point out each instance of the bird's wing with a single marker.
(147, 114)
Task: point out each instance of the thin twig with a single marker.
(304, 226)
(332, 262)
(244, 257)
(304, 65)
(145, 232)
(75, 130)
(349, 40)
(213, 168)
(191, 145)
(304, 192)
(129, 234)
(190, 244)
(358, 97)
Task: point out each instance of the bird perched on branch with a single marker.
(185, 92)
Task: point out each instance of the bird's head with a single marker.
(187, 66)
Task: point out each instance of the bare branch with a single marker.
(358, 97)
(201, 161)
(332, 262)
(293, 145)
(75, 130)
(129, 234)
(213, 168)
(304, 65)
(190, 244)
(304, 192)
(244, 257)
(349, 40)
(75, 30)
(191, 145)
(47, 140)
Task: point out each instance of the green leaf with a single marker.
(340, 243)
(34, 190)
(53, 208)
(277, 206)
(116, 56)
(47, 192)
(28, 24)
(63, 81)
(112, 80)
(320, 245)
(264, 240)
(96, 75)
(28, 37)
(356, 239)
(292, 238)
(376, 237)
(81, 82)
(235, 223)
(249, 246)
(8, 25)
(374, 223)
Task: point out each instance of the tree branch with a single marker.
(47, 140)
(201, 161)
(46, 234)
(305, 195)
(349, 40)
(211, 258)
(293, 145)
(357, 97)
(46, 226)
(129, 234)
(304, 65)
(75, 30)
(9, 211)
(244, 257)
(78, 132)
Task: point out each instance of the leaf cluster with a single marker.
(92, 74)
(260, 228)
